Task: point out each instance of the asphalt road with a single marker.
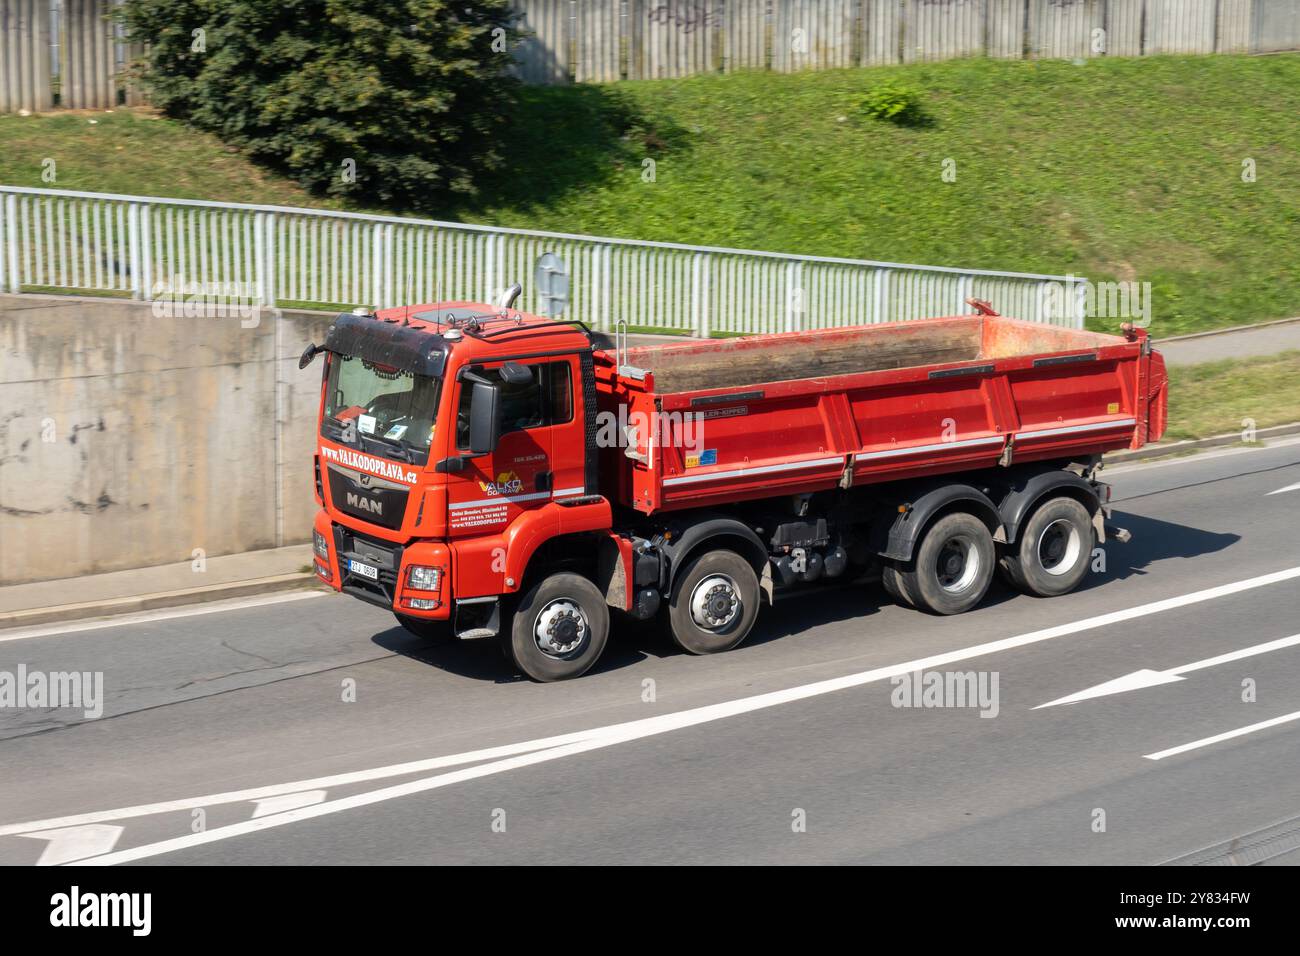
(315, 731)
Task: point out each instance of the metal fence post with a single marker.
(701, 269)
(272, 259)
(264, 257)
(11, 240)
(377, 289)
(133, 248)
(259, 257)
(146, 252)
(794, 304)
(878, 306)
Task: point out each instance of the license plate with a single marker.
(364, 570)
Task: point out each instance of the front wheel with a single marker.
(714, 603)
(559, 629)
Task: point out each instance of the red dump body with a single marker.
(722, 421)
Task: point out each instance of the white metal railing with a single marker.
(63, 241)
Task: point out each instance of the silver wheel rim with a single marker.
(1059, 546)
(561, 628)
(958, 564)
(715, 602)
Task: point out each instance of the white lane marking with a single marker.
(70, 844)
(162, 614)
(1139, 680)
(552, 748)
(1217, 738)
(1295, 487)
(289, 801)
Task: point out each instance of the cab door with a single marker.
(493, 490)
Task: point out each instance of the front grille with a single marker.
(384, 555)
(364, 496)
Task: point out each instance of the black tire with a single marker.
(1054, 551)
(425, 629)
(734, 601)
(952, 567)
(572, 612)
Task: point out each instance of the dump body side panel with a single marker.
(999, 405)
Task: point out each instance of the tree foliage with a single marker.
(397, 102)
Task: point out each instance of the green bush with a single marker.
(894, 104)
(392, 102)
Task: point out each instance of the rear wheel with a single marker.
(1054, 549)
(714, 603)
(559, 628)
(953, 565)
(426, 629)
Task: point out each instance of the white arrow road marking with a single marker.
(554, 748)
(1295, 487)
(1148, 678)
(1240, 732)
(69, 844)
(290, 801)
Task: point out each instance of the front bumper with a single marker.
(389, 589)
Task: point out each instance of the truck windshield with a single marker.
(381, 409)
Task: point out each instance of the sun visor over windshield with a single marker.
(388, 343)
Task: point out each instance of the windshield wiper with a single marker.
(397, 445)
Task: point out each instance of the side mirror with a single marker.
(484, 428)
(308, 354)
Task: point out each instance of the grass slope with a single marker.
(1113, 169)
(1218, 398)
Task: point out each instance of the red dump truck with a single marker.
(486, 473)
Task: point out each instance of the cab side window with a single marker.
(546, 400)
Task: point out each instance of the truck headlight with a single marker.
(319, 545)
(420, 578)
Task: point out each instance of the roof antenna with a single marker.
(508, 297)
(410, 291)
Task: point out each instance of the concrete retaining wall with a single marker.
(129, 440)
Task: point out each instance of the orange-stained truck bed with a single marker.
(726, 420)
